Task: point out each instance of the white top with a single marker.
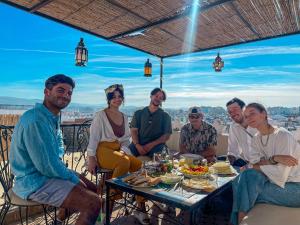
(239, 141)
(281, 142)
(101, 130)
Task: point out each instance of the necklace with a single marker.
(261, 141)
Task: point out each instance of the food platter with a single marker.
(195, 171)
(200, 184)
(169, 178)
(223, 168)
(190, 158)
(141, 181)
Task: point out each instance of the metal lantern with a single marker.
(81, 54)
(218, 64)
(148, 69)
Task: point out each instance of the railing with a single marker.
(76, 138)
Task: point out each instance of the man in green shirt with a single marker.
(150, 127)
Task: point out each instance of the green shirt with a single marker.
(151, 126)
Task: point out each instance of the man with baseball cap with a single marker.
(198, 136)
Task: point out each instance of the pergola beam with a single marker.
(183, 13)
(244, 20)
(39, 5)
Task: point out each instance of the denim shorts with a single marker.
(53, 192)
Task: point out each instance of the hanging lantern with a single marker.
(148, 69)
(81, 54)
(218, 64)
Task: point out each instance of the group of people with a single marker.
(267, 155)
(37, 149)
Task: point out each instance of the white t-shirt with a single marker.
(239, 141)
(101, 130)
(281, 142)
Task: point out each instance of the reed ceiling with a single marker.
(160, 27)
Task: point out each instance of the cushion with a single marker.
(16, 200)
(267, 214)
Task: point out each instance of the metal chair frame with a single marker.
(6, 178)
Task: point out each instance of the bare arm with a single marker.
(134, 135)
(135, 140)
(182, 148)
(209, 153)
(161, 140)
(286, 160)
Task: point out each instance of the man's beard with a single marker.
(153, 103)
(61, 104)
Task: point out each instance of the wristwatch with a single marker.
(272, 161)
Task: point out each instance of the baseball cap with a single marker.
(195, 110)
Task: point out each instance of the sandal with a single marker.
(143, 218)
(163, 207)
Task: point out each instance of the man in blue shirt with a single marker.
(35, 157)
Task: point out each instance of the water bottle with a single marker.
(163, 153)
(99, 220)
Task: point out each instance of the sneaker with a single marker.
(143, 218)
(56, 222)
(163, 207)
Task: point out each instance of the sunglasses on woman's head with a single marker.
(113, 87)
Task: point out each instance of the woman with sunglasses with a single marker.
(109, 138)
(274, 174)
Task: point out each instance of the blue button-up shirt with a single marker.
(36, 151)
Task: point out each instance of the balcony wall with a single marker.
(222, 139)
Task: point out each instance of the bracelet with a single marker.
(249, 166)
(272, 161)
(136, 144)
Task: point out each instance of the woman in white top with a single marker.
(109, 140)
(109, 137)
(274, 176)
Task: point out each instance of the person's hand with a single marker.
(147, 148)
(92, 165)
(141, 149)
(209, 154)
(286, 160)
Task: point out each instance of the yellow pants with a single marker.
(110, 157)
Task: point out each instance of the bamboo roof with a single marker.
(162, 27)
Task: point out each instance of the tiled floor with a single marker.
(118, 217)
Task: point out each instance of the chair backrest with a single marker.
(6, 178)
(76, 138)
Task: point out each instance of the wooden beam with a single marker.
(39, 5)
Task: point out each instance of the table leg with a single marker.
(187, 217)
(107, 217)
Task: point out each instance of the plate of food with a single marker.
(193, 171)
(170, 178)
(136, 180)
(223, 168)
(190, 158)
(200, 184)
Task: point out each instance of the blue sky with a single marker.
(33, 48)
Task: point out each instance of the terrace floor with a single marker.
(117, 219)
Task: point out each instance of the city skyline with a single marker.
(265, 71)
